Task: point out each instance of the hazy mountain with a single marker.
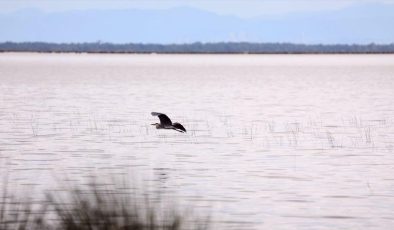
(359, 24)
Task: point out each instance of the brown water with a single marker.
(273, 141)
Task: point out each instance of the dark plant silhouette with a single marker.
(95, 207)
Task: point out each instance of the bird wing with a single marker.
(164, 120)
(179, 126)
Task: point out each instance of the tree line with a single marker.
(197, 47)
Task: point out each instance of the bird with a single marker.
(166, 123)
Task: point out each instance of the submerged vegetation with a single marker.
(96, 206)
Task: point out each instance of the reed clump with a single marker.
(94, 207)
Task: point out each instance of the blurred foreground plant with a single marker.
(95, 207)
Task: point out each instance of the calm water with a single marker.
(273, 141)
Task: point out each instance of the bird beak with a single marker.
(152, 124)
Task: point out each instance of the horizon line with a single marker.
(99, 42)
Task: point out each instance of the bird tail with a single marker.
(178, 127)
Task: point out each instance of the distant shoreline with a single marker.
(196, 48)
(197, 53)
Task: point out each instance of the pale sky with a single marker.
(241, 8)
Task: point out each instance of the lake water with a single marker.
(272, 142)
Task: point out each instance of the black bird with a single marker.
(166, 123)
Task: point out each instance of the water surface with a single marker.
(273, 141)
